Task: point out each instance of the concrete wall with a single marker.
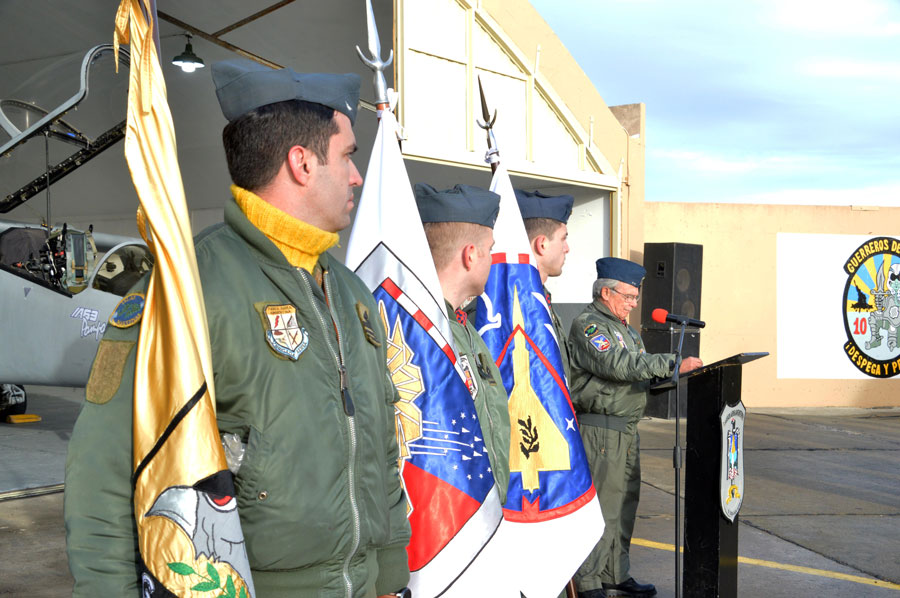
(739, 294)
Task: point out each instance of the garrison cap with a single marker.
(538, 205)
(243, 85)
(619, 269)
(463, 203)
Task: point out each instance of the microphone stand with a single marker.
(676, 463)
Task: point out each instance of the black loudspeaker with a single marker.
(673, 280)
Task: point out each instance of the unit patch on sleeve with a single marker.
(128, 311)
(283, 333)
(591, 329)
(601, 343)
(363, 312)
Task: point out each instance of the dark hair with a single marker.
(256, 144)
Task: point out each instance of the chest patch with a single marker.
(601, 343)
(283, 333)
(363, 312)
(471, 379)
(620, 338)
(128, 311)
(591, 329)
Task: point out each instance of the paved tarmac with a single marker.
(820, 517)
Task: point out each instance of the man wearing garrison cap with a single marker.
(459, 226)
(611, 374)
(299, 366)
(545, 218)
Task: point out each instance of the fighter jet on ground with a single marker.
(58, 285)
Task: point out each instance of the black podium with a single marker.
(713, 477)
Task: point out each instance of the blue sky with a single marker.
(756, 101)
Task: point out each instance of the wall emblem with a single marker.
(731, 477)
(871, 307)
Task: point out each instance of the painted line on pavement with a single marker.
(785, 567)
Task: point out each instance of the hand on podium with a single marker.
(689, 364)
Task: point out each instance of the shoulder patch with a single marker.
(363, 312)
(601, 343)
(128, 311)
(591, 329)
(282, 330)
(107, 371)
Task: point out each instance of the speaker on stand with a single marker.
(673, 282)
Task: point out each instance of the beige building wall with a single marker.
(738, 297)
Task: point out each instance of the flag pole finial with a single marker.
(488, 126)
(375, 62)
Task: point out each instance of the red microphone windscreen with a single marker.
(659, 315)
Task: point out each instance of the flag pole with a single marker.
(493, 157)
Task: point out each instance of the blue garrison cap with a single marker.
(463, 203)
(243, 85)
(619, 269)
(538, 205)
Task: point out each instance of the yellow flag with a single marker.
(189, 533)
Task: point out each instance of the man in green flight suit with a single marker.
(299, 367)
(546, 218)
(459, 226)
(611, 375)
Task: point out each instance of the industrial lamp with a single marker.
(187, 60)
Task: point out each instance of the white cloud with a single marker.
(885, 196)
(870, 18)
(707, 163)
(852, 69)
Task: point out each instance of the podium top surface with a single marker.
(739, 359)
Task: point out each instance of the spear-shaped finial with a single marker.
(375, 62)
(488, 126)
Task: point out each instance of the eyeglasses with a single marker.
(633, 298)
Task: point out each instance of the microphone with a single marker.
(662, 316)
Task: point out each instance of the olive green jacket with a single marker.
(491, 400)
(319, 494)
(611, 371)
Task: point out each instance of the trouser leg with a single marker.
(606, 453)
(619, 561)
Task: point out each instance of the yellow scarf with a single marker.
(301, 243)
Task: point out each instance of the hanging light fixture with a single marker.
(187, 60)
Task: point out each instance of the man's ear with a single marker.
(300, 164)
(469, 253)
(539, 245)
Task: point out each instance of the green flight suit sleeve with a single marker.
(393, 563)
(101, 538)
(617, 363)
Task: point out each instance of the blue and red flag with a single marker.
(551, 501)
(453, 505)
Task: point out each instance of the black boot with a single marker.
(630, 588)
